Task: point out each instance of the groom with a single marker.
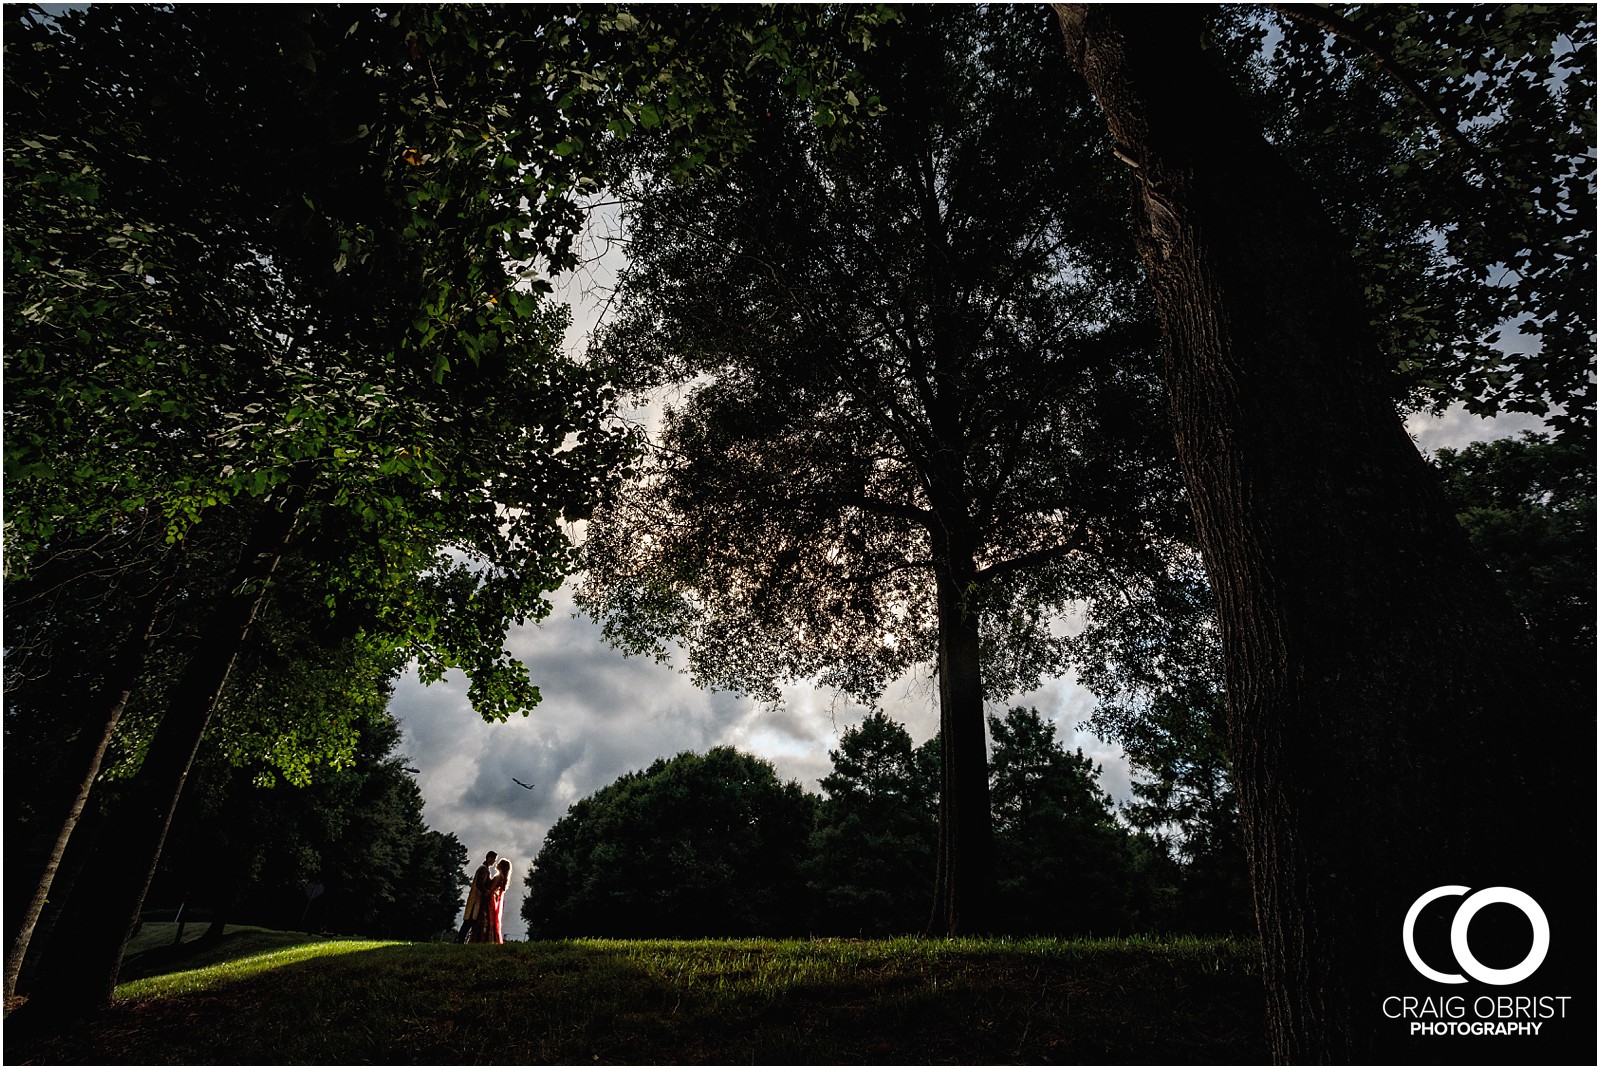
(477, 901)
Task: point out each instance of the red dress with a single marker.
(492, 932)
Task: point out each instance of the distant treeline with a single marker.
(347, 852)
(717, 845)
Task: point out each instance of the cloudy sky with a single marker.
(604, 715)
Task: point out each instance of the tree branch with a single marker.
(1335, 24)
(879, 507)
(1034, 558)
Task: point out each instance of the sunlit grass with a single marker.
(193, 980)
(282, 998)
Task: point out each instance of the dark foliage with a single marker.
(238, 276)
(1528, 506)
(714, 845)
(871, 858)
(1453, 146)
(244, 853)
(695, 845)
(1065, 864)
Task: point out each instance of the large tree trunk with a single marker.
(963, 898)
(123, 674)
(81, 972)
(1371, 662)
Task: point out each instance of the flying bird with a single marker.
(519, 783)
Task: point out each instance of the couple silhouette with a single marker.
(480, 922)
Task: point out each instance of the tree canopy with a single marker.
(696, 845)
(802, 298)
(716, 845)
(916, 423)
(286, 316)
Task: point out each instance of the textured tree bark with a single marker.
(1370, 660)
(964, 874)
(81, 972)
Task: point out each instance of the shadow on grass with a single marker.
(824, 1002)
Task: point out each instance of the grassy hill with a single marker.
(282, 998)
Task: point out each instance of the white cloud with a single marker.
(1456, 427)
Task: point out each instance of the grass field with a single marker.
(281, 998)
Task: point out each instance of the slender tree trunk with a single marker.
(1371, 662)
(125, 671)
(82, 971)
(963, 899)
(78, 857)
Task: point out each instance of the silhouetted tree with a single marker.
(876, 830)
(1064, 863)
(917, 422)
(695, 845)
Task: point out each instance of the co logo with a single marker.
(1458, 935)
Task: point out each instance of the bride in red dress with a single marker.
(492, 932)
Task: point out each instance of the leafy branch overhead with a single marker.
(1464, 175)
(196, 325)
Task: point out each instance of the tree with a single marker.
(446, 205)
(302, 346)
(876, 831)
(916, 424)
(1453, 149)
(695, 845)
(1064, 863)
(1527, 504)
(246, 850)
(1368, 656)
